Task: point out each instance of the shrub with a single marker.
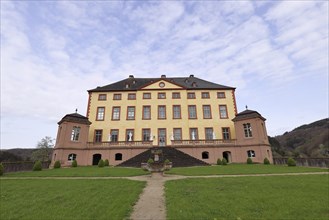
(74, 163)
(1, 169)
(106, 163)
(224, 161)
(37, 166)
(266, 161)
(291, 162)
(249, 160)
(57, 164)
(219, 161)
(150, 161)
(101, 163)
(167, 161)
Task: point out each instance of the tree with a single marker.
(44, 149)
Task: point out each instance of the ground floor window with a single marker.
(118, 156)
(72, 157)
(205, 155)
(251, 153)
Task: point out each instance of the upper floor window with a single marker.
(130, 135)
(251, 153)
(161, 112)
(116, 113)
(247, 130)
(131, 113)
(146, 95)
(194, 134)
(116, 96)
(98, 135)
(209, 133)
(206, 111)
(131, 96)
(176, 95)
(177, 112)
(192, 112)
(100, 113)
(146, 112)
(146, 134)
(223, 111)
(177, 134)
(75, 133)
(161, 95)
(221, 95)
(191, 95)
(102, 97)
(226, 133)
(205, 95)
(114, 135)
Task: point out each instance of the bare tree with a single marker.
(44, 149)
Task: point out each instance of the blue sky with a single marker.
(274, 52)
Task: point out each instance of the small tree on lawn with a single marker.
(106, 163)
(249, 160)
(291, 162)
(74, 163)
(1, 169)
(57, 164)
(219, 161)
(266, 161)
(44, 149)
(37, 166)
(224, 161)
(101, 163)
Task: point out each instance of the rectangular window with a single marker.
(226, 133)
(205, 95)
(209, 133)
(131, 96)
(146, 112)
(177, 134)
(131, 113)
(161, 112)
(176, 95)
(98, 135)
(161, 95)
(146, 95)
(194, 134)
(75, 133)
(130, 135)
(177, 112)
(100, 114)
(116, 96)
(223, 111)
(192, 112)
(221, 95)
(146, 134)
(116, 113)
(191, 95)
(247, 130)
(114, 135)
(102, 97)
(206, 111)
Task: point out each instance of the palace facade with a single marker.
(189, 114)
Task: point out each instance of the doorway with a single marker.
(162, 137)
(227, 156)
(96, 158)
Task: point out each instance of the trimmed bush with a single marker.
(224, 161)
(266, 161)
(219, 161)
(106, 163)
(74, 163)
(101, 163)
(57, 164)
(249, 160)
(291, 162)
(37, 166)
(1, 169)
(167, 161)
(150, 161)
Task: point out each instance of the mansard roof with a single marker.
(76, 118)
(134, 84)
(248, 114)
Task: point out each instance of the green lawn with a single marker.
(270, 197)
(241, 169)
(90, 171)
(68, 199)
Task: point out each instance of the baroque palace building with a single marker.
(129, 117)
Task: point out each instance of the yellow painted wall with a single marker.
(138, 124)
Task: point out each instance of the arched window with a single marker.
(251, 153)
(118, 156)
(205, 155)
(72, 157)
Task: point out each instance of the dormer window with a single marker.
(194, 84)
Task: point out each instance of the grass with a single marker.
(241, 169)
(271, 197)
(68, 199)
(89, 171)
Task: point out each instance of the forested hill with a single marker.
(311, 140)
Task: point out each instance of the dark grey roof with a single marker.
(135, 84)
(248, 114)
(76, 118)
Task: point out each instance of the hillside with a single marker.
(311, 140)
(16, 154)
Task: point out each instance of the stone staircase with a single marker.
(178, 158)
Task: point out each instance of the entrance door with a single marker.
(96, 158)
(227, 156)
(162, 137)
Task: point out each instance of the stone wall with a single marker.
(307, 162)
(21, 166)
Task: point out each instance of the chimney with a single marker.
(163, 76)
(191, 76)
(131, 76)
